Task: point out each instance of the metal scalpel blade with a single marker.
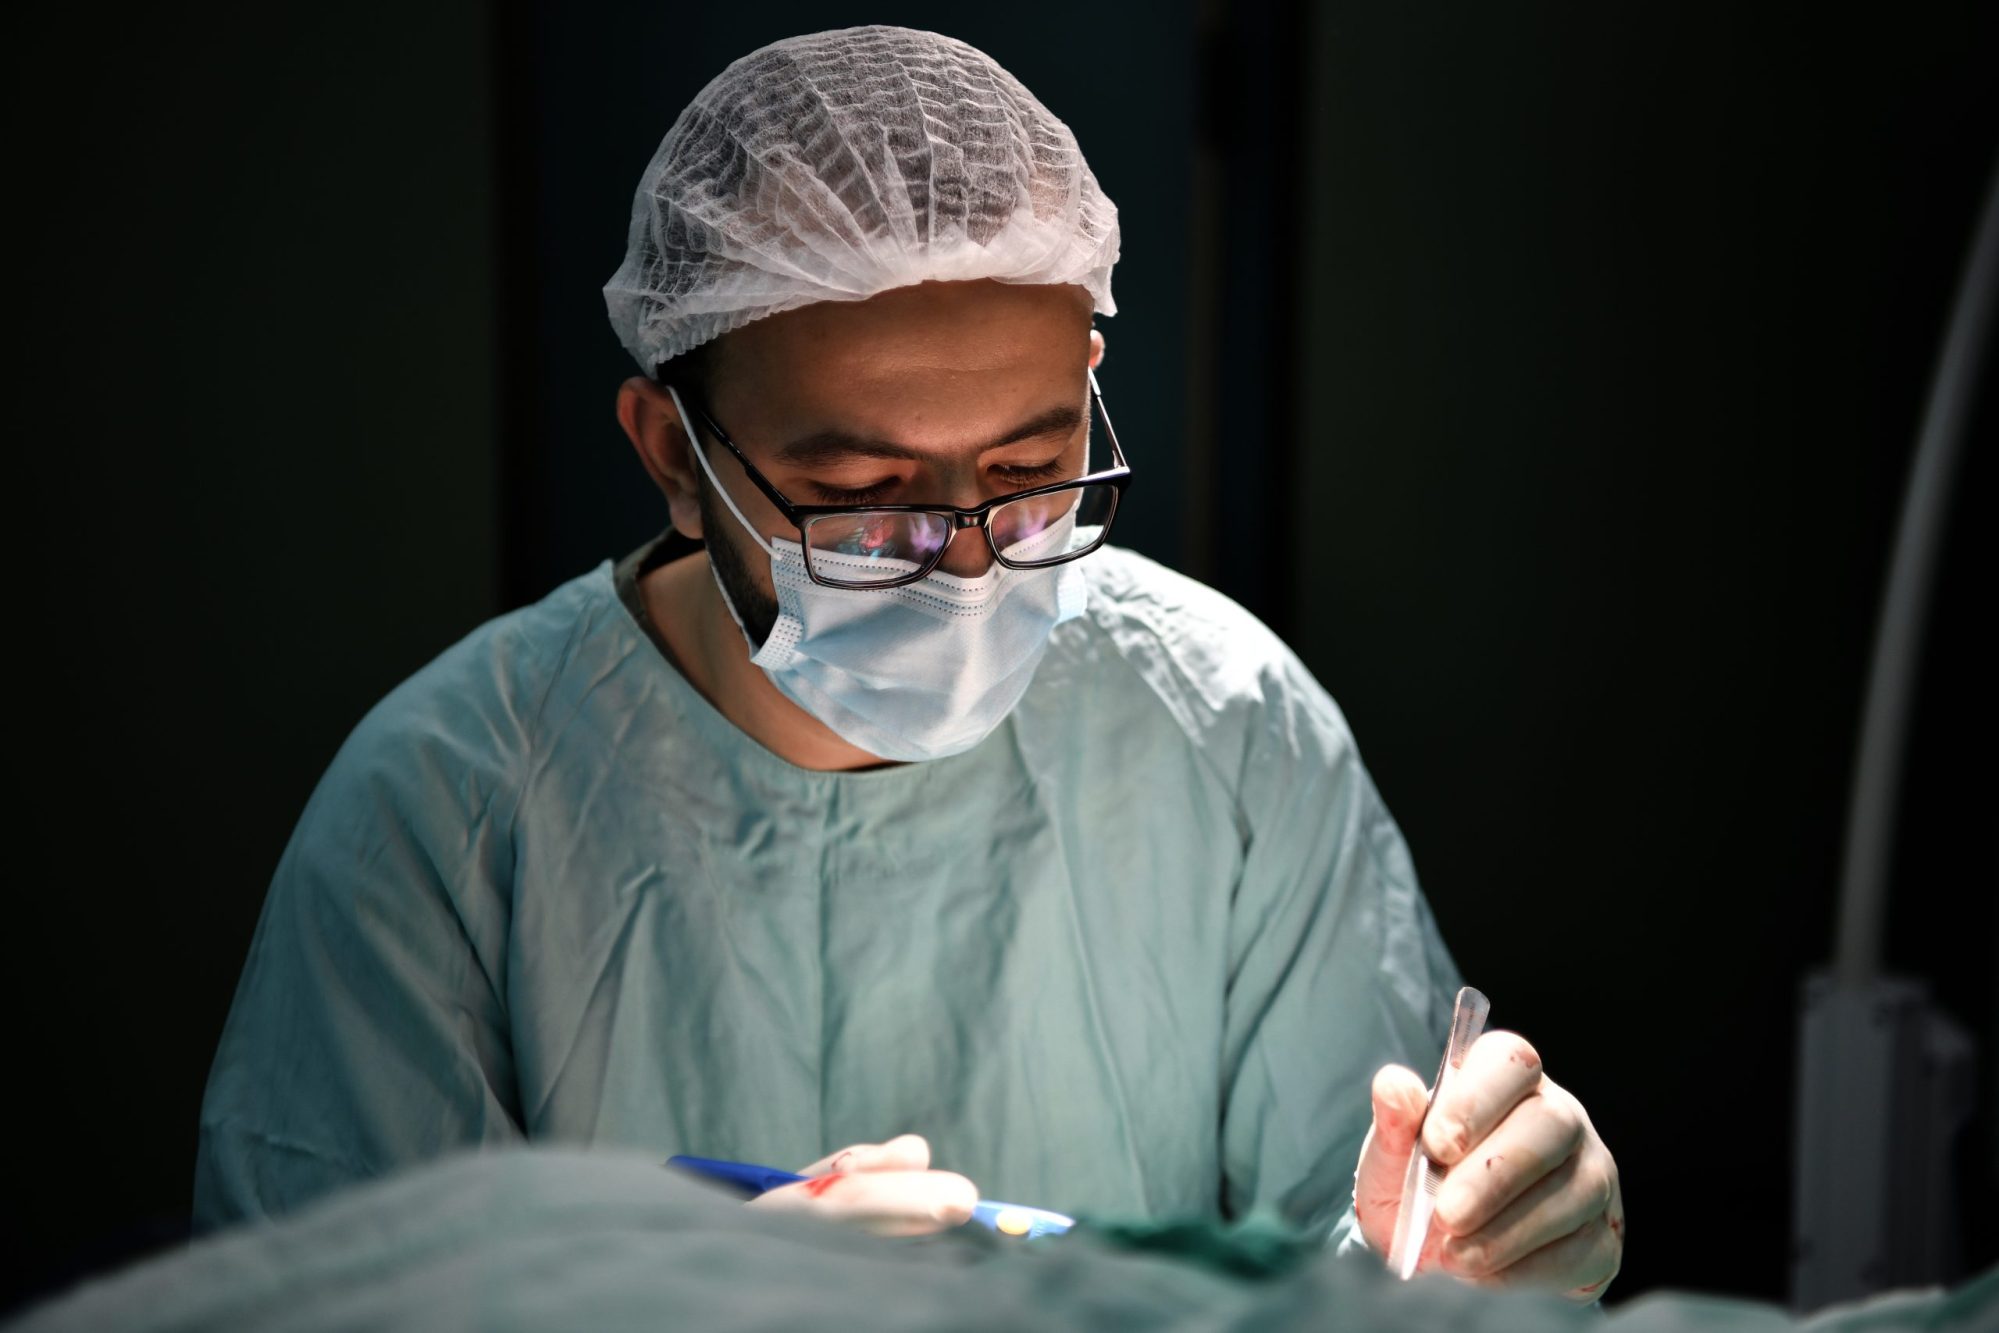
(1421, 1181)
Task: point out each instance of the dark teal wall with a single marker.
(252, 420)
(1618, 327)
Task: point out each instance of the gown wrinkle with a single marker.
(604, 973)
(1106, 1058)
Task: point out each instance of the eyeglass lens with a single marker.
(881, 546)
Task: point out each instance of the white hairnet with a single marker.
(838, 165)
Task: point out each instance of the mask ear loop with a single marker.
(701, 457)
(728, 602)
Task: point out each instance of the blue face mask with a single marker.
(916, 672)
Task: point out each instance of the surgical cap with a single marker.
(835, 166)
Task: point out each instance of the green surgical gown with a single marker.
(1137, 954)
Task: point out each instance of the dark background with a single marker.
(1546, 374)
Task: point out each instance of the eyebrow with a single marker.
(826, 447)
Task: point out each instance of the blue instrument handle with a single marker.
(1008, 1219)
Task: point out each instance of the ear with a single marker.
(646, 411)
(1096, 348)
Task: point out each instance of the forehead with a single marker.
(934, 366)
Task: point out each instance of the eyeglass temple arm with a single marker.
(1110, 431)
(757, 478)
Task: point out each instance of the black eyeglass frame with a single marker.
(1117, 476)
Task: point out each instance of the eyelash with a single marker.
(1025, 477)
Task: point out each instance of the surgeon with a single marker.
(882, 815)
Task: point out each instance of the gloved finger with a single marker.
(1539, 1134)
(1579, 1265)
(904, 1152)
(1574, 1194)
(1498, 1070)
(1399, 1097)
(888, 1203)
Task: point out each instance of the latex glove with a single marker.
(887, 1188)
(1530, 1197)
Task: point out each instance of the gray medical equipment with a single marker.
(1884, 1076)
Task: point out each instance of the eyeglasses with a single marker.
(886, 546)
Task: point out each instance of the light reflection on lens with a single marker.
(874, 545)
(1077, 518)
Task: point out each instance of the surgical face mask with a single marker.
(915, 672)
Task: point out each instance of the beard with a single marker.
(755, 609)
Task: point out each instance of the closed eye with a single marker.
(866, 495)
(1015, 478)
(1021, 478)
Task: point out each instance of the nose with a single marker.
(969, 555)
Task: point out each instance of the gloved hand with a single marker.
(887, 1188)
(1530, 1196)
